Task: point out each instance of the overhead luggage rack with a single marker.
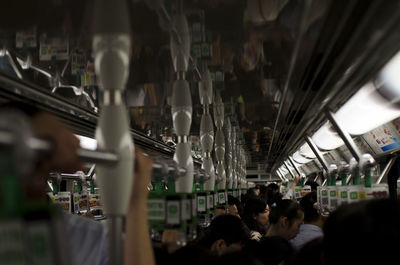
(80, 120)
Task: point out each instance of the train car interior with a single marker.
(199, 131)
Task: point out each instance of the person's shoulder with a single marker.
(310, 228)
(87, 239)
(76, 222)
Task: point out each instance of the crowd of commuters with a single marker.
(264, 227)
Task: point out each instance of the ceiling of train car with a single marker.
(277, 72)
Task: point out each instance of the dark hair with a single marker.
(232, 200)
(250, 194)
(307, 203)
(270, 250)
(273, 186)
(161, 255)
(310, 253)
(227, 227)
(253, 207)
(273, 195)
(313, 184)
(235, 201)
(369, 228)
(263, 192)
(237, 258)
(197, 255)
(286, 208)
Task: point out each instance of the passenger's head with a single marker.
(273, 195)
(310, 253)
(312, 184)
(263, 192)
(234, 206)
(225, 234)
(270, 250)
(237, 258)
(252, 192)
(196, 255)
(220, 210)
(285, 219)
(311, 214)
(369, 229)
(255, 215)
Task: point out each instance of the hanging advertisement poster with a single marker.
(26, 38)
(78, 62)
(53, 46)
(385, 138)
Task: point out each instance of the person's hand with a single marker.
(296, 180)
(219, 212)
(142, 176)
(170, 236)
(64, 156)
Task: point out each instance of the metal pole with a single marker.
(317, 153)
(115, 225)
(279, 175)
(386, 169)
(294, 165)
(316, 177)
(324, 183)
(290, 172)
(283, 175)
(8, 139)
(344, 135)
(296, 50)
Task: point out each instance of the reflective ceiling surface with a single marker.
(283, 60)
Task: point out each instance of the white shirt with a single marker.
(87, 240)
(288, 195)
(306, 233)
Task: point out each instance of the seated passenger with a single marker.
(285, 219)
(313, 222)
(255, 216)
(365, 233)
(225, 234)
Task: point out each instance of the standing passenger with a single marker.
(225, 234)
(313, 222)
(255, 216)
(87, 239)
(273, 196)
(285, 219)
(235, 207)
(365, 233)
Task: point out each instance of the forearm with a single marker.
(138, 249)
(290, 192)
